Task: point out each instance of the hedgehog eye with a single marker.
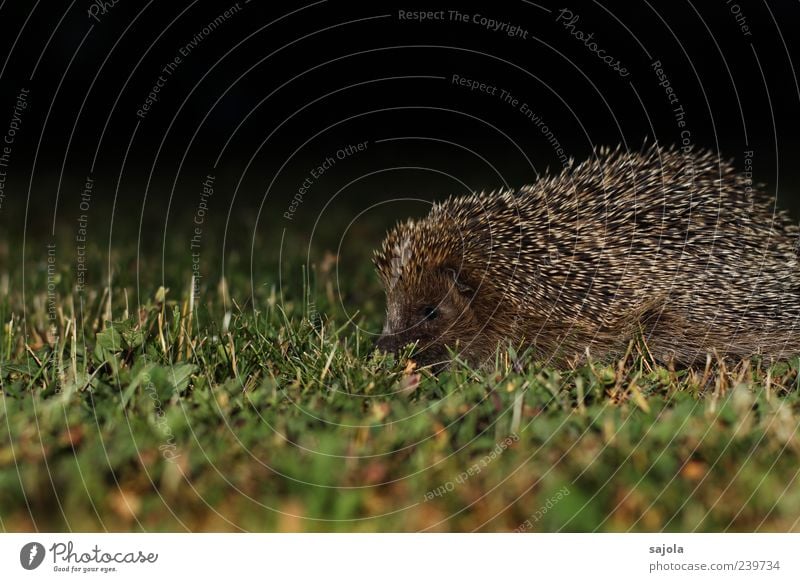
(429, 312)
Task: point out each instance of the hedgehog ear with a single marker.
(459, 279)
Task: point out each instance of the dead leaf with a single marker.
(125, 503)
(694, 470)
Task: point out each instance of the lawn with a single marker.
(258, 404)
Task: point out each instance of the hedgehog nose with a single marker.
(386, 343)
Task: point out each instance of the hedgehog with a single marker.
(667, 246)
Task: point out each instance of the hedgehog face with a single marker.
(432, 310)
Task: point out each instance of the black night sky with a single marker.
(146, 100)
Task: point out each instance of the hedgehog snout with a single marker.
(387, 343)
(395, 342)
(425, 354)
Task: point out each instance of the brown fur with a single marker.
(659, 243)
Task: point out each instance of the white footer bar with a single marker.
(401, 557)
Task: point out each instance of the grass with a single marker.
(264, 408)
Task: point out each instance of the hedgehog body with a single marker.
(676, 248)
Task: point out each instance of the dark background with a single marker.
(279, 87)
